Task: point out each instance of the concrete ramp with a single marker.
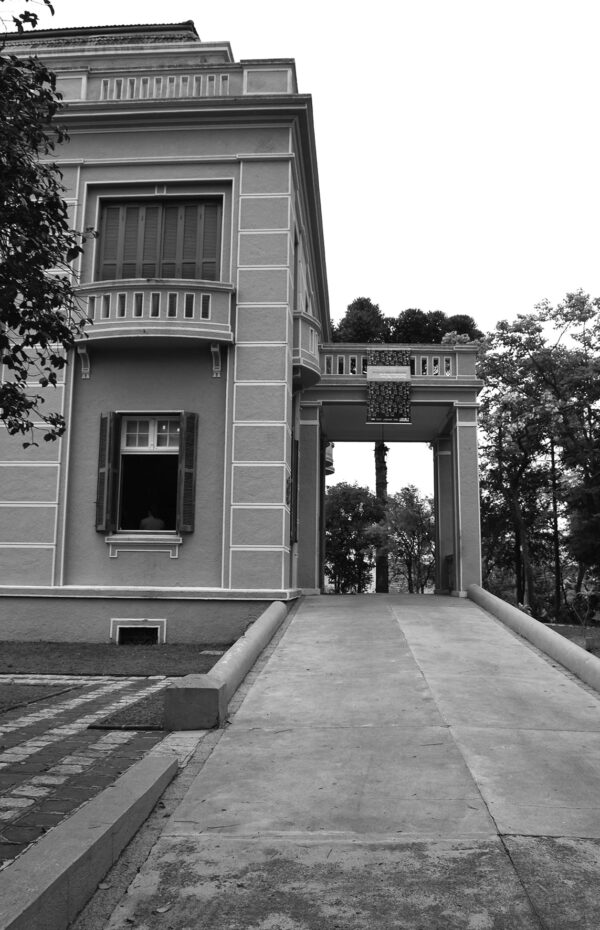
(400, 762)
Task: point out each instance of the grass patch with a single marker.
(170, 659)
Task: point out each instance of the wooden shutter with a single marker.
(169, 241)
(189, 263)
(151, 226)
(186, 483)
(108, 473)
(109, 245)
(210, 242)
(131, 234)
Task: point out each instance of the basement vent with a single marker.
(127, 631)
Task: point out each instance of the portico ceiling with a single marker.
(347, 422)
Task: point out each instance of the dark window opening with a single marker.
(148, 490)
(137, 636)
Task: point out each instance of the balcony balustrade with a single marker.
(350, 361)
(179, 84)
(165, 308)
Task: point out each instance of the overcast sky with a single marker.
(458, 145)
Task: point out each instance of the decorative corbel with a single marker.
(84, 358)
(215, 349)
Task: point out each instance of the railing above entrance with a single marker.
(346, 360)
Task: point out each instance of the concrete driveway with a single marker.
(400, 762)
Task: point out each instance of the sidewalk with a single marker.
(400, 762)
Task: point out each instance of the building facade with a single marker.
(188, 487)
(206, 290)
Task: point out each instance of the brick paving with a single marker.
(51, 763)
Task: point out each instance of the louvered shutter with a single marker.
(210, 242)
(169, 241)
(129, 267)
(189, 263)
(186, 484)
(110, 243)
(108, 473)
(151, 226)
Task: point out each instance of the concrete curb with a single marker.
(48, 885)
(583, 664)
(199, 702)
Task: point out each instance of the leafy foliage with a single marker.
(540, 418)
(364, 322)
(40, 317)
(351, 513)
(410, 534)
(26, 17)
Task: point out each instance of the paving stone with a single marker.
(10, 851)
(15, 803)
(20, 834)
(31, 791)
(58, 805)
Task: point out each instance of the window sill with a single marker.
(143, 542)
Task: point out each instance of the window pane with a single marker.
(167, 434)
(137, 434)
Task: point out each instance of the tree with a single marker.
(415, 326)
(362, 322)
(40, 317)
(350, 514)
(411, 539)
(382, 582)
(541, 450)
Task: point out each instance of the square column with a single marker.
(467, 525)
(310, 480)
(443, 499)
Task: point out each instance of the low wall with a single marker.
(87, 619)
(583, 664)
(199, 702)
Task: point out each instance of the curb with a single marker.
(199, 702)
(47, 886)
(583, 664)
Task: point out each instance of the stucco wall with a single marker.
(145, 379)
(66, 619)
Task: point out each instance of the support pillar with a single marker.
(443, 497)
(310, 466)
(467, 525)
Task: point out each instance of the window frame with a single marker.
(167, 246)
(110, 453)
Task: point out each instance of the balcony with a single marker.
(134, 308)
(306, 350)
